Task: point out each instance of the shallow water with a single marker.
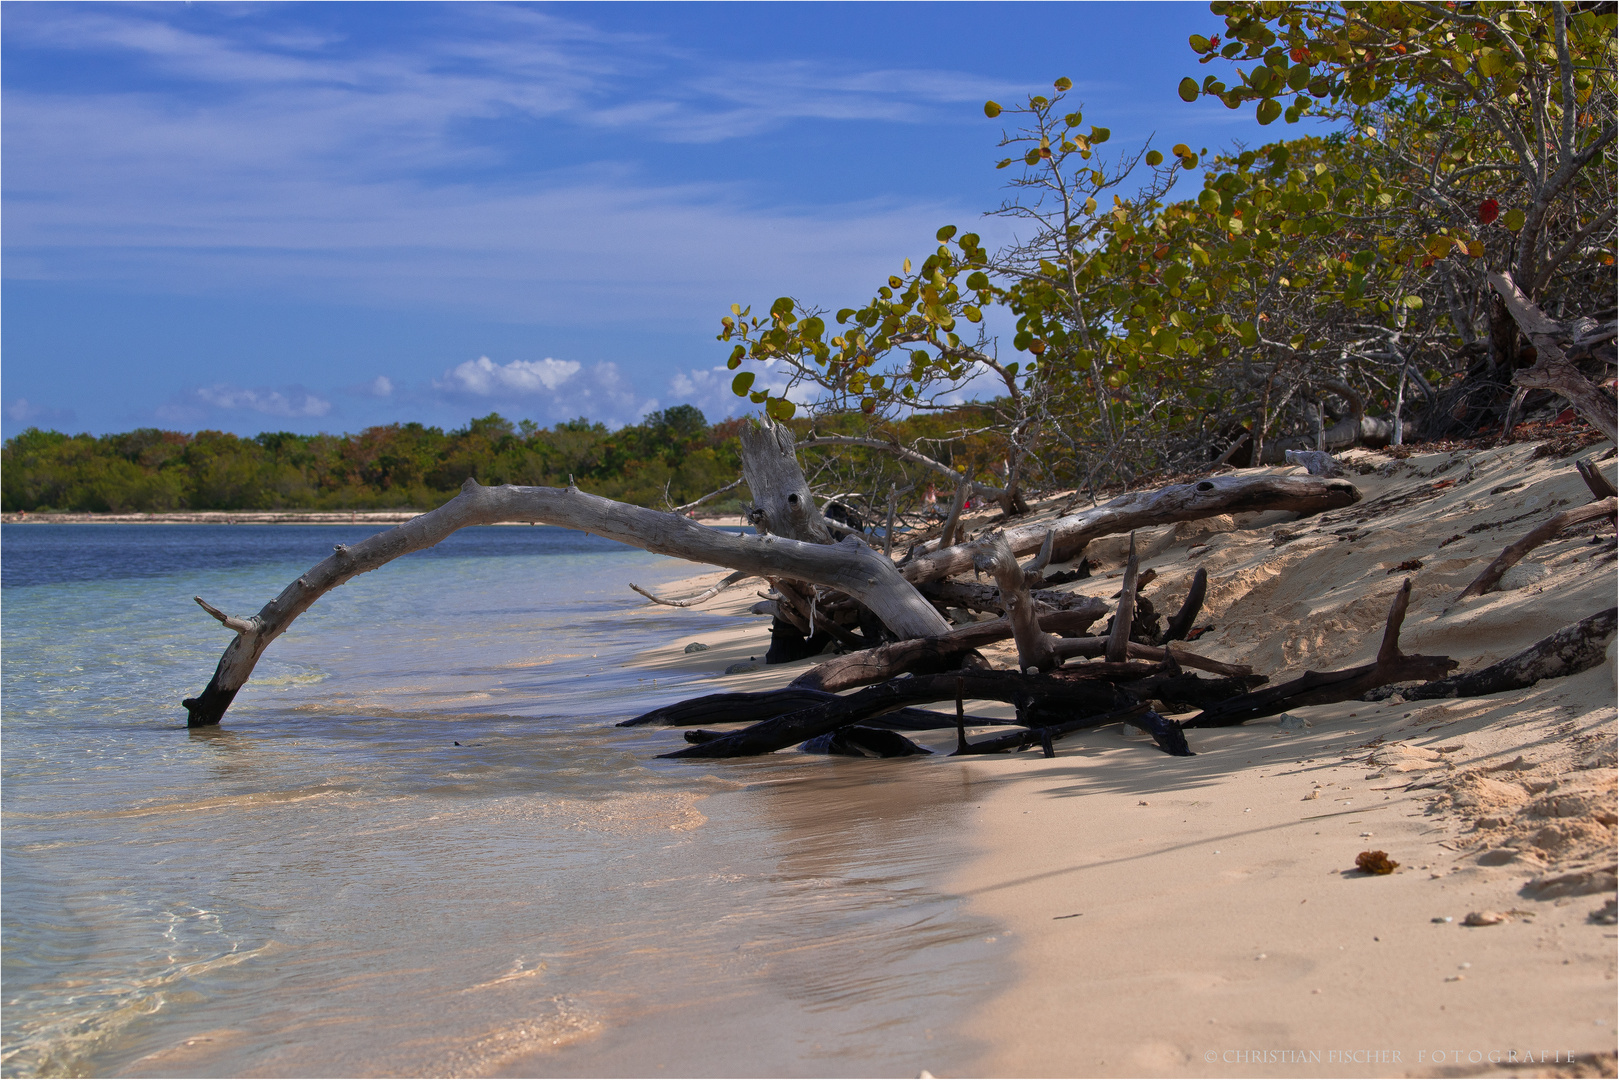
(328, 884)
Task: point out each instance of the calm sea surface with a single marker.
(328, 885)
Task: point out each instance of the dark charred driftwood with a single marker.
(1184, 692)
(975, 597)
(1325, 687)
(926, 656)
(1138, 510)
(1166, 733)
(859, 741)
(1571, 650)
(1491, 575)
(1040, 700)
(1085, 647)
(750, 708)
(1181, 624)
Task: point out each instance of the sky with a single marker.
(320, 217)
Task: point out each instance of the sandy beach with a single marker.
(1203, 916)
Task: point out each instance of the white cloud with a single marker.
(551, 389)
(381, 386)
(484, 378)
(294, 402)
(24, 411)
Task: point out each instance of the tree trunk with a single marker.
(850, 567)
(1552, 370)
(783, 505)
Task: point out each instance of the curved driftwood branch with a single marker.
(693, 601)
(1571, 650)
(1091, 647)
(1138, 510)
(1181, 624)
(1325, 687)
(850, 567)
(1491, 575)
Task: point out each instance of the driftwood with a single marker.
(1491, 575)
(1325, 687)
(692, 601)
(1552, 369)
(1137, 510)
(1571, 650)
(926, 656)
(1181, 624)
(850, 567)
(974, 597)
(1033, 646)
(1040, 699)
(1118, 640)
(750, 708)
(1088, 647)
(1599, 485)
(1166, 733)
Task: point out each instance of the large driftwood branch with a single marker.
(1552, 370)
(850, 567)
(927, 656)
(1054, 695)
(1091, 647)
(782, 502)
(1325, 687)
(1139, 510)
(1570, 651)
(1491, 575)
(751, 707)
(1181, 624)
(1033, 646)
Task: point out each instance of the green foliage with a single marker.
(671, 457)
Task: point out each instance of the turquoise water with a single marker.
(328, 884)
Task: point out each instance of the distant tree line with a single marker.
(671, 457)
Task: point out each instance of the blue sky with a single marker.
(320, 217)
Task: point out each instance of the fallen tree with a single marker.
(793, 547)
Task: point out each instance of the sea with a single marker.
(418, 845)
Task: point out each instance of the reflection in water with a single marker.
(329, 884)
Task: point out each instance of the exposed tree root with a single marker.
(1491, 575)
(1571, 650)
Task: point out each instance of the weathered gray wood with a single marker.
(781, 496)
(1138, 510)
(850, 567)
(1491, 575)
(1552, 369)
(976, 597)
(1033, 644)
(1571, 650)
(1601, 487)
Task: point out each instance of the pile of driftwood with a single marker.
(892, 617)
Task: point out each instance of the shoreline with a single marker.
(1164, 910)
(257, 517)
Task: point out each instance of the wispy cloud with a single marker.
(22, 411)
(206, 402)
